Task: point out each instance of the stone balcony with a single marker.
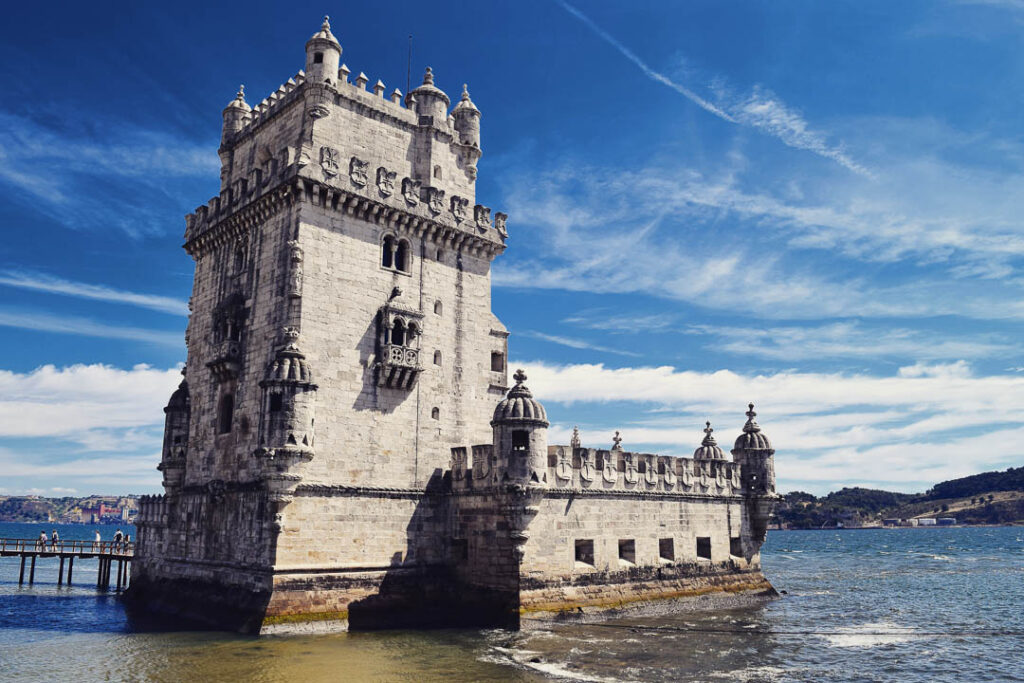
(398, 366)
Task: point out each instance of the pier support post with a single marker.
(32, 571)
(21, 575)
(60, 572)
(71, 566)
(120, 569)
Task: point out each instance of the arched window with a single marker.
(440, 254)
(436, 413)
(438, 307)
(225, 413)
(437, 357)
(398, 333)
(387, 255)
(437, 171)
(411, 334)
(402, 256)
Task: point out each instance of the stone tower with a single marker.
(340, 343)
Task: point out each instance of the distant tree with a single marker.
(945, 508)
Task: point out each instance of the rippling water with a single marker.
(909, 605)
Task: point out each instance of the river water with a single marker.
(908, 605)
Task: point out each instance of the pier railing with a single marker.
(106, 552)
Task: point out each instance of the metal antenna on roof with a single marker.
(408, 68)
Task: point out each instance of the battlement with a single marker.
(607, 470)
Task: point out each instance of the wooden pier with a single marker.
(106, 552)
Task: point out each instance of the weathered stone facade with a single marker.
(334, 452)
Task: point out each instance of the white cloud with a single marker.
(45, 322)
(760, 109)
(574, 343)
(906, 431)
(54, 285)
(71, 402)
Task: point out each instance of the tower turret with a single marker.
(467, 120)
(323, 53)
(709, 448)
(234, 115)
(431, 100)
(175, 449)
(520, 426)
(754, 454)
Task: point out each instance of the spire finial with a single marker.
(241, 92)
(326, 26)
(520, 376)
(428, 77)
(751, 425)
(465, 93)
(708, 439)
(707, 428)
(617, 440)
(575, 443)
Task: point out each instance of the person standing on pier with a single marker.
(118, 538)
(96, 541)
(54, 540)
(41, 543)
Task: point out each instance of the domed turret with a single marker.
(289, 394)
(520, 427)
(235, 114)
(175, 448)
(467, 120)
(752, 438)
(709, 448)
(323, 53)
(431, 100)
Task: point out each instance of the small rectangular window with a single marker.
(497, 361)
(736, 546)
(520, 440)
(275, 403)
(667, 549)
(585, 551)
(318, 57)
(704, 547)
(627, 551)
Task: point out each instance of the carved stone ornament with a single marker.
(329, 161)
(670, 474)
(610, 473)
(295, 276)
(435, 199)
(386, 181)
(735, 477)
(459, 207)
(720, 479)
(587, 469)
(358, 171)
(482, 216)
(563, 470)
(575, 442)
(411, 191)
(651, 473)
(705, 480)
(687, 478)
(499, 223)
(632, 474)
(458, 463)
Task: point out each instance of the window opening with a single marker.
(704, 547)
(667, 549)
(585, 551)
(436, 413)
(402, 256)
(388, 252)
(438, 308)
(627, 550)
(398, 334)
(226, 412)
(497, 361)
(736, 546)
(437, 357)
(520, 441)
(437, 172)
(276, 403)
(318, 57)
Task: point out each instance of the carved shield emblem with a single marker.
(482, 216)
(587, 470)
(435, 199)
(329, 161)
(735, 477)
(459, 208)
(386, 181)
(458, 463)
(610, 473)
(670, 474)
(651, 475)
(358, 171)
(563, 470)
(687, 478)
(499, 224)
(411, 191)
(632, 475)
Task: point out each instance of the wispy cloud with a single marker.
(852, 339)
(46, 322)
(46, 283)
(759, 109)
(574, 343)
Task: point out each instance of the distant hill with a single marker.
(68, 509)
(987, 498)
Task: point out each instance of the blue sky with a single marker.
(812, 206)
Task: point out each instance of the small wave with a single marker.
(531, 660)
(870, 635)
